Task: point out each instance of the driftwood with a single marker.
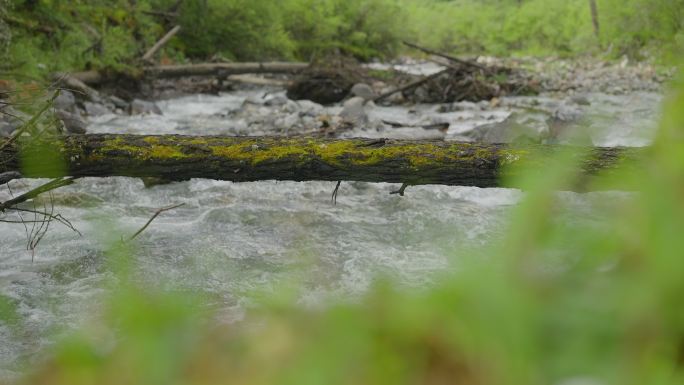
(471, 81)
(410, 86)
(202, 69)
(150, 53)
(258, 81)
(445, 56)
(242, 159)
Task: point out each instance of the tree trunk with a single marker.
(242, 159)
(202, 69)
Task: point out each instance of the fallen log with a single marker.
(201, 69)
(242, 159)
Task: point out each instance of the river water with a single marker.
(230, 240)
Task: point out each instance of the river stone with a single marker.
(516, 128)
(564, 123)
(354, 111)
(8, 123)
(65, 101)
(6, 129)
(363, 90)
(275, 101)
(118, 102)
(309, 108)
(95, 109)
(73, 123)
(143, 107)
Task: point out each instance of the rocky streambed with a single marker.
(230, 240)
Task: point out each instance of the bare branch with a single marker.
(156, 214)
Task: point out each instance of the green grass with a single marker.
(58, 35)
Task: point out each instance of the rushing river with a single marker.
(229, 240)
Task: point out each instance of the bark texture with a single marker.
(242, 159)
(201, 69)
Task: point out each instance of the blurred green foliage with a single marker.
(642, 29)
(54, 35)
(5, 32)
(552, 303)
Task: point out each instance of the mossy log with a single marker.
(241, 159)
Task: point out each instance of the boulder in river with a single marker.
(143, 107)
(73, 122)
(364, 91)
(95, 109)
(65, 101)
(118, 102)
(8, 121)
(277, 100)
(354, 111)
(6, 128)
(516, 128)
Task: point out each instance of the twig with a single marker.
(448, 57)
(58, 217)
(335, 191)
(410, 85)
(156, 214)
(401, 190)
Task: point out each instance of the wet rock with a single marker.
(516, 128)
(288, 123)
(6, 129)
(253, 101)
(143, 107)
(566, 113)
(580, 100)
(354, 111)
(65, 101)
(8, 122)
(118, 102)
(563, 123)
(6, 177)
(459, 106)
(309, 108)
(95, 109)
(363, 90)
(290, 107)
(275, 101)
(73, 123)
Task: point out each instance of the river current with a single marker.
(229, 240)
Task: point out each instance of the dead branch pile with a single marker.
(327, 80)
(468, 80)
